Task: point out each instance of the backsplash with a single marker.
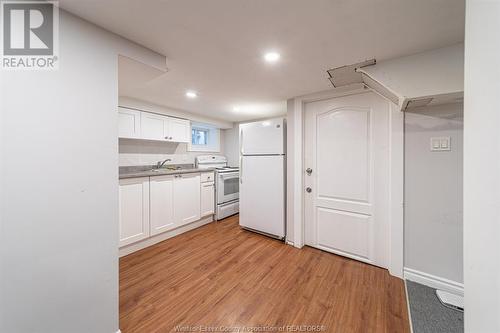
(141, 152)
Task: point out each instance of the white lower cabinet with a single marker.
(150, 206)
(161, 204)
(186, 198)
(133, 210)
(207, 189)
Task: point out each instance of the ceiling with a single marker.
(215, 47)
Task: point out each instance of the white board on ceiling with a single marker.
(346, 75)
(428, 78)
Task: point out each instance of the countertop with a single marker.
(148, 171)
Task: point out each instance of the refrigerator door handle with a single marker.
(241, 141)
(241, 169)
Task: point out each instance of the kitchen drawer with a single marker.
(227, 209)
(207, 177)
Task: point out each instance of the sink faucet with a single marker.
(161, 163)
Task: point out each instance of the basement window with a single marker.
(199, 136)
(204, 137)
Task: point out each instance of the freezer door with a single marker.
(262, 194)
(262, 137)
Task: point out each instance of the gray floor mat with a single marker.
(428, 315)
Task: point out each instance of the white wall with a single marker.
(141, 152)
(59, 187)
(290, 169)
(231, 145)
(482, 167)
(433, 193)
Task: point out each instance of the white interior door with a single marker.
(347, 188)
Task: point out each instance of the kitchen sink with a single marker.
(166, 169)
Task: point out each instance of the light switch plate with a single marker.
(442, 143)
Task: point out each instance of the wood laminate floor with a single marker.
(220, 277)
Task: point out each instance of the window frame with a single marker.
(206, 136)
(213, 138)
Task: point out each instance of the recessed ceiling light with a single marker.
(191, 94)
(272, 56)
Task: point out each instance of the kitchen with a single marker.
(266, 165)
(164, 198)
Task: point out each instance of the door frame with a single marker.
(295, 196)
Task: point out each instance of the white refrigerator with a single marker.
(262, 176)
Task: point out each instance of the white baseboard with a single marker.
(289, 243)
(433, 281)
(118, 331)
(123, 251)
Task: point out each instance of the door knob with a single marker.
(308, 189)
(309, 171)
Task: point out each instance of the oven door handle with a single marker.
(228, 175)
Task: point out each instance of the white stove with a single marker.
(226, 184)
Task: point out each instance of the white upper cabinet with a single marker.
(163, 128)
(133, 210)
(129, 123)
(179, 130)
(153, 126)
(161, 204)
(186, 198)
